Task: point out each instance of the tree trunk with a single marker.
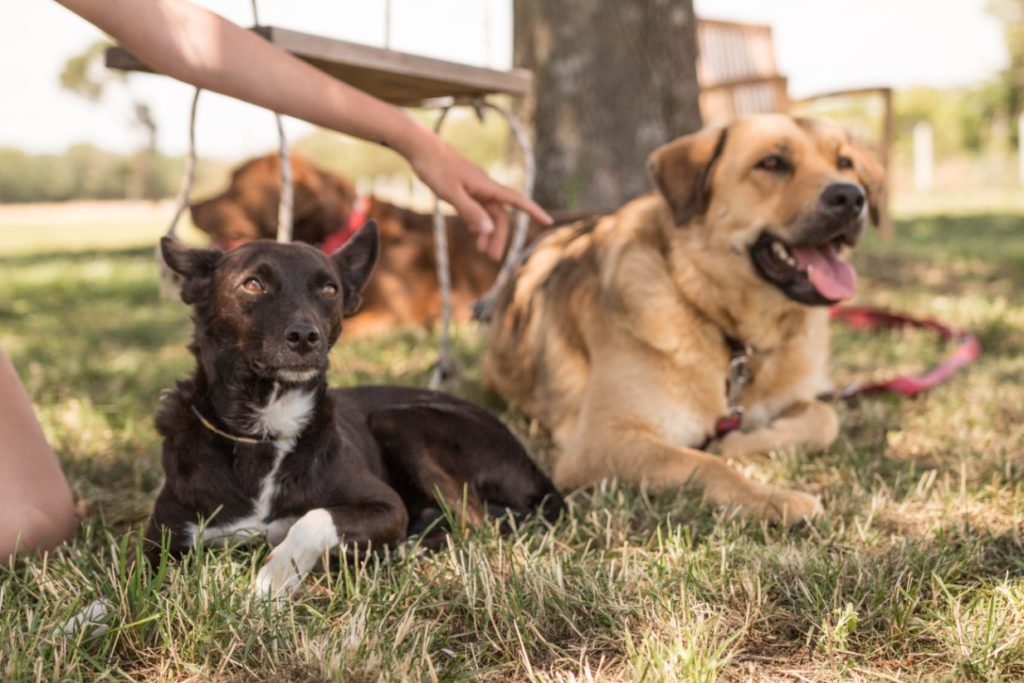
(613, 80)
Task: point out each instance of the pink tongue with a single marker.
(834, 279)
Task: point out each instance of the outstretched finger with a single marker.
(476, 217)
(499, 237)
(506, 195)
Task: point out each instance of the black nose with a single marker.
(302, 337)
(843, 200)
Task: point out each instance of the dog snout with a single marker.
(843, 200)
(302, 337)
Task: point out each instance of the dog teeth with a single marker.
(782, 253)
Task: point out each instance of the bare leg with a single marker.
(36, 509)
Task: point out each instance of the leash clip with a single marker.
(739, 377)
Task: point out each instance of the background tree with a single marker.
(85, 75)
(613, 81)
(1006, 93)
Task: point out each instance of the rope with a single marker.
(522, 220)
(284, 204)
(444, 369)
(170, 281)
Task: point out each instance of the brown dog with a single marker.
(404, 289)
(618, 334)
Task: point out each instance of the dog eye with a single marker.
(844, 163)
(253, 286)
(329, 290)
(773, 163)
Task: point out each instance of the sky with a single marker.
(822, 45)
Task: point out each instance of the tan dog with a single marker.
(617, 334)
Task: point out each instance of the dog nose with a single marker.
(843, 199)
(302, 337)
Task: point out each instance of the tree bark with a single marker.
(613, 80)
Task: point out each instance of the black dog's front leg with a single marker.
(377, 519)
(167, 525)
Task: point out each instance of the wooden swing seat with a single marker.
(399, 78)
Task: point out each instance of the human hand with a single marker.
(478, 199)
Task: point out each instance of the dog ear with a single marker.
(872, 176)
(355, 262)
(682, 171)
(194, 265)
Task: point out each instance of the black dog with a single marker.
(255, 443)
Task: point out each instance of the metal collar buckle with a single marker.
(739, 377)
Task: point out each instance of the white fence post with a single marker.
(923, 157)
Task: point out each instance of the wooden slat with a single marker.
(731, 50)
(395, 77)
(741, 82)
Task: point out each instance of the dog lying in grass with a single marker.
(255, 444)
(636, 338)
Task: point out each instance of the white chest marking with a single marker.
(284, 416)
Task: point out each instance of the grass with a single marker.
(915, 572)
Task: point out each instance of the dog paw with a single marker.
(303, 545)
(740, 445)
(278, 578)
(91, 621)
(787, 506)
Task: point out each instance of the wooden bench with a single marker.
(738, 75)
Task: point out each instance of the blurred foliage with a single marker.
(1008, 87)
(84, 75)
(87, 172)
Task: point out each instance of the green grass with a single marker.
(914, 572)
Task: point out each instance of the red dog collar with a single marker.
(356, 217)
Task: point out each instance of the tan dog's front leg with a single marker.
(644, 458)
(810, 423)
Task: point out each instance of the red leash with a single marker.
(870, 318)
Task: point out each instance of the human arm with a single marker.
(36, 509)
(191, 44)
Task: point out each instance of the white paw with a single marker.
(279, 577)
(307, 540)
(92, 620)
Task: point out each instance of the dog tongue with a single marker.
(834, 279)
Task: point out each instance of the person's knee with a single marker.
(30, 526)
